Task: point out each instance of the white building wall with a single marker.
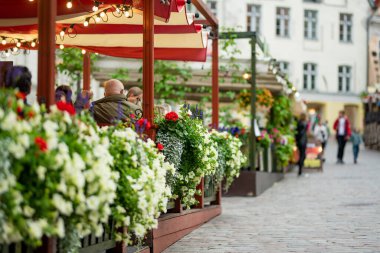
(327, 52)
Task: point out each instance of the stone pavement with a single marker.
(334, 211)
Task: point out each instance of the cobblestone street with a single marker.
(334, 211)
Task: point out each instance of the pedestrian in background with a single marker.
(356, 139)
(301, 140)
(343, 134)
(321, 134)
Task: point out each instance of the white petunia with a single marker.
(41, 171)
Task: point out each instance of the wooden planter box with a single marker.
(254, 183)
(179, 222)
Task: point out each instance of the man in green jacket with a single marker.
(114, 106)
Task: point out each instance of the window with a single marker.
(284, 67)
(344, 78)
(253, 18)
(282, 22)
(213, 5)
(345, 28)
(309, 76)
(310, 24)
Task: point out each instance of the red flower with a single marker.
(132, 116)
(160, 146)
(19, 110)
(142, 122)
(41, 143)
(21, 95)
(31, 114)
(148, 125)
(171, 116)
(66, 107)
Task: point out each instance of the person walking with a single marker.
(356, 140)
(343, 133)
(321, 134)
(301, 140)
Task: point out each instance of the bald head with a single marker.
(113, 87)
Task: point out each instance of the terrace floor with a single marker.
(334, 211)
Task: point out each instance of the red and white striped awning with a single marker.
(176, 35)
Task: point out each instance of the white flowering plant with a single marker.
(230, 157)
(187, 145)
(55, 175)
(142, 192)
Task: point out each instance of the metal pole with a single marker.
(252, 146)
(47, 12)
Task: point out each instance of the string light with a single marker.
(62, 33)
(61, 46)
(96, 6)
(33, 44)
(83, 51)
(86, 22)
(98, 19)
(4, 41)
(103, 14)
(69, 4)
(18, 44)
(7, 54)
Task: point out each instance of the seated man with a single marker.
(135, 96)
(114, 106)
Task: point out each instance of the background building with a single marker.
(320, 44)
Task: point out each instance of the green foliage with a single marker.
(72, 62)
(121, 74)
(282, 126)
(281, 115)
(170, 81)
(230, 53)
(197, 153)
(230, 158)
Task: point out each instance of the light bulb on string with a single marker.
(83, 51)
(127, 14)
(61, 46)
(18, 44)
(4, 41)
(62, 33)
(69, 4)
(96, 6)
(15, 49)
(103, 14)
(86, 22)
(98, 19)
(33, 44)
(7, 54)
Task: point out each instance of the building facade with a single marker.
(320, 44)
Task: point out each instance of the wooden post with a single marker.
(49, 245)
(218, 200)
(215, 82)
(87, 71)
(47, 12)
(201, 198)
(148, 62)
